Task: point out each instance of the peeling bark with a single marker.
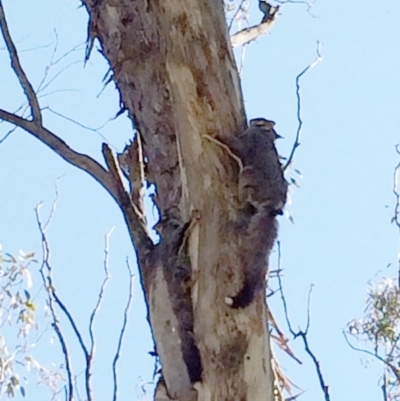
(174, 68)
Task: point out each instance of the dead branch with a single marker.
(296, 143)
(395, 372)
(45, 272)
(396, 216)
(384, 392)
(79, 124)
(19, 72)
(123, 329)
(53, 300)
(308, 4)
(301, 333)
(90, 359)
(324, 387)
(238, 10)
(8, 134)
(247, 35)
(83, 162)
(280, 288)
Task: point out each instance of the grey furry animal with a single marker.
(262, 194)
(261, 183)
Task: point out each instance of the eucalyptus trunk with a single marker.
(173, 65)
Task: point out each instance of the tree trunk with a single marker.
(173, 66)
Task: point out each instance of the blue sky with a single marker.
(342, 234)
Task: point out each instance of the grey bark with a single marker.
(174, 68)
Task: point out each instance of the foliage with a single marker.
(380, 329)
(20, 330)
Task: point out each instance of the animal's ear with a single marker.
(257, 122)
(262, 123)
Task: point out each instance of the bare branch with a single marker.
(53, 207)
(308, 4)
(324, 387)
(396, 191)
(8, 134)
(47, 281)
(300, 121)
(96, 130)
(247, 35)
(71, 321)
(108, 179)
(396, 216)
(19, 72)
(238, 10)
(90, 359)
(35, 127)
(83, 162)
(123, 329)
(285, 308)
(53, 297)
(300, 333)
(133, 216)
(384, 392)
(77, 387)
(375, 355)
(308, 309)
(43, 84)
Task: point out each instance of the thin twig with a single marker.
(43, 84)
(53, 206)
(396, 216)
(90, 359)
(35, 127)
(76, 384)
(52, 294)
(19, 72)
(384, 392)
(308, 4)
(238, 10)
(123, 329)
(82, 161)
(71, 321)
(8, 134)
(375, 355)
(308, 308)
(228, 150)
(96, 130)
(47, 281)
(299, 120)
(283, 298)
(300, 333)
(324, 387)
(137, 231)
